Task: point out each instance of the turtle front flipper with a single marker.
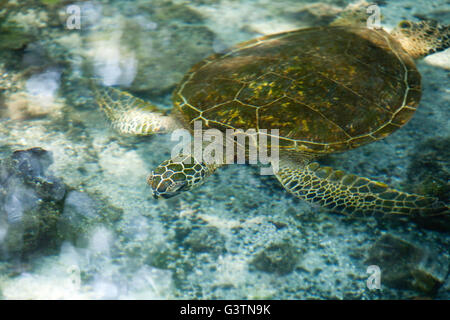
(131, 115)
(348, 193)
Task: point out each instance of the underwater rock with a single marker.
(13, 38)
(205, 239)
(13, 34)
(79, 205)
(444, 290)
(280, 258)
(429, 169)
(20, 24)
(30, 202)
(170, 11)
(315, 14)
(197, 40)
(32, 163)
(429, 174)
(82, 214)
(406, 266)
(28, 97)
(79, 215)
(163, 39)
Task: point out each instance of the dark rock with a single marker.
(79, 215)
(31, 166)
(444, 290)
(280, 258)
(205, 239)
(50, 188)
(32, 163)
(406, 266)
(30, 203)
(18, 200)
(429, 169)
(429, 174)
(14, 38)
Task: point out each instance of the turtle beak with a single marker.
(167, 195)
(155, 195)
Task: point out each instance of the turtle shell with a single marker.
(325, 89)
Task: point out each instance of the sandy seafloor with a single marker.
(238, 236)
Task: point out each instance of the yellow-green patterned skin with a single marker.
(336, 190)
(326, 89)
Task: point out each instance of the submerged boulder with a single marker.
(407, 266)
(278, 257)
(429, 169)
(429, 174)
(81, 215)
(30, 202)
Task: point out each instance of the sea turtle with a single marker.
(326, 89)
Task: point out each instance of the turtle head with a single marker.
(168, 180)
(165, 187)
(420, 39)
(176, 175)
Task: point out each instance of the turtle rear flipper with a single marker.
(348, 193)
(131, 115)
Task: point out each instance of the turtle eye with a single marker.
(404, 24)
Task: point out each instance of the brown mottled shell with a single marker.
(326, 89)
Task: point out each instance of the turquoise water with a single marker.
(78, 220)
